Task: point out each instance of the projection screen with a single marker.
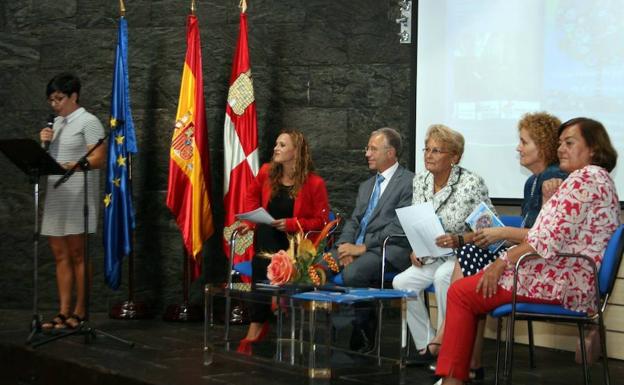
(482, 64)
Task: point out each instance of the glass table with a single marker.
(308, 327)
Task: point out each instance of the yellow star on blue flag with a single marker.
(107, 200)
(121, 161)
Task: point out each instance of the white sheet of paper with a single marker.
(422, 226)
(259, 215)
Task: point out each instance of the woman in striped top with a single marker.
(73, 133)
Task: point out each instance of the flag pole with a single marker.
(129, 309)
(190, 123)
(184, 311)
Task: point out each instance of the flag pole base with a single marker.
(184, 313)
(129, 310)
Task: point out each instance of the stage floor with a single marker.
(171, 354)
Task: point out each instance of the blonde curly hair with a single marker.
(542, 127)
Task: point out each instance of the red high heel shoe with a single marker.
(262, 335)
(245, 345)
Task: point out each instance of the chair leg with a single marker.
(583, 352)
(301, 331)
(603, 345)
(499, 326)
(378, 331)
(510, 342)
(531, 344)
(506, 358)
(226, 317)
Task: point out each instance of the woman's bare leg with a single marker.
(254, 330)
(76, 252)
(64, 272)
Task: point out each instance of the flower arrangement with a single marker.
(301, 263)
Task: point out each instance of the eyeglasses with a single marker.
(374, 149)
(434, 151)
(56, 99)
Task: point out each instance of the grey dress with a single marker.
(63, 214)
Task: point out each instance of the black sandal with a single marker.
(58, 320)
(69, 323)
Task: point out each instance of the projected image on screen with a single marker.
(483, 64)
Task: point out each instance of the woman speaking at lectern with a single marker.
(72, 134)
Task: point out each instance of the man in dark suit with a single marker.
(358, 248)
(374, 217)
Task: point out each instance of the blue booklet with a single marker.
(482, 217)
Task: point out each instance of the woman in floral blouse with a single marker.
(579, 218)
(454, 192)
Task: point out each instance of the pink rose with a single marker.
(281, 268)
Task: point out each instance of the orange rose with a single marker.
(281, 268)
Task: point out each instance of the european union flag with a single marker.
(118, 211)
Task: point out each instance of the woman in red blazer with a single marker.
(292, 193)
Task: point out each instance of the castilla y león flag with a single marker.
(188, 195)
(240, 139)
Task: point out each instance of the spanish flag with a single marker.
(188, 194)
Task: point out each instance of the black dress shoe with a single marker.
(358, 339)
(423, 359)
(361, 342)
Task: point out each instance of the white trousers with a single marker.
(417, 279)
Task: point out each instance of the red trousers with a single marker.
(463, 308)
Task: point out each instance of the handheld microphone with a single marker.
(46, 143)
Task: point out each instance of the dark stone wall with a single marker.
(334, 69)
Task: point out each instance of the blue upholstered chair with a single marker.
(511, 220)
(604, 280)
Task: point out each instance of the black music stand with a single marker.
(84, 328)
(35, 162)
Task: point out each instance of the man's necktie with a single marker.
(372, 202)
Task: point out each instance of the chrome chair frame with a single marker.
(581, 319)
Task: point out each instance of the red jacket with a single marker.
(311, 206)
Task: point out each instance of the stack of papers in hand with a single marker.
(259, 215)
(422, 226)
(482, 217)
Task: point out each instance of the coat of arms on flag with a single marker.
(182, 143)
(240, 144)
